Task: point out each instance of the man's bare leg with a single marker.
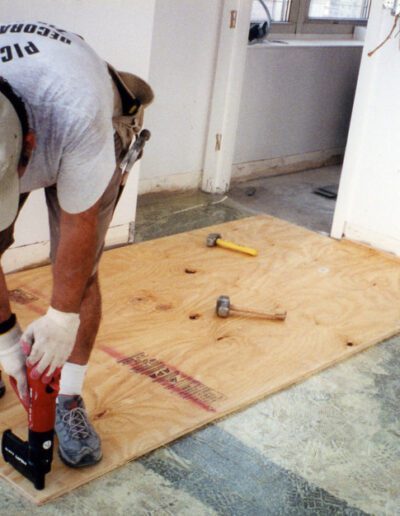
(79, 443)
(90, 315)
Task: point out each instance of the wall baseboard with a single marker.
(170, 183)
(372, 239)
(245, 171)
(26, 257)
(286, 164)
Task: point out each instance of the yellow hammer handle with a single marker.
(236, 247)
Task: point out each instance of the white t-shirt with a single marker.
(69, 98)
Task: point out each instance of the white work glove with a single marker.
(51, 340)
(12, 359)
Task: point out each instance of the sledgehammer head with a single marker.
(222, 307)
(212, 239)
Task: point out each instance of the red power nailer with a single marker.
(33, 458)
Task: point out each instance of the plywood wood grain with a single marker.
(165, 364)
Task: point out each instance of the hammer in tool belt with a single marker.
(224, 308)
(134, 152)
(215, 239)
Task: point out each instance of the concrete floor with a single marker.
(328, 446)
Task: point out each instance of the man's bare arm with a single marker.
(51, 338)
(75, 258)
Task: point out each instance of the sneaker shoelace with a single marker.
(76, 421)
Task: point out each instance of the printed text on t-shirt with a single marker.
(10, 52)
(32, 28)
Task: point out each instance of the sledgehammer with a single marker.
(224, 308)
(214, 239)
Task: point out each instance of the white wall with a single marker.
(184, 51)
(120, 31)
(296, 100)
(368, 207)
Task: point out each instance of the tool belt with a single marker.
(131, 96)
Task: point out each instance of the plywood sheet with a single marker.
(164, 364)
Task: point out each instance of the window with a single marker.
(312, 16)
(278, 10)
(339, 9)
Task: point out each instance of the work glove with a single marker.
(49, 341)
(12, 359)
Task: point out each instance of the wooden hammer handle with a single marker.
(276, 316)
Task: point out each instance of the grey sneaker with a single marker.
(78, 443)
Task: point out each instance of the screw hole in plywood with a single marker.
(194, 317)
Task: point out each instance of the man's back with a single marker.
(67, 91)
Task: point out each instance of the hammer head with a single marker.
(222, 308)
(212, 239)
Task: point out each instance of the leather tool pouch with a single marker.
(131, 96)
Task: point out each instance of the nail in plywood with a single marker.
(165, 364)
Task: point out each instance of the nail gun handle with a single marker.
(42, 402)
(37, 386)
(13, 383)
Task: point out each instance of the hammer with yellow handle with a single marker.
(214, 239)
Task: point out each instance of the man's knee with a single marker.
(93, 281)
